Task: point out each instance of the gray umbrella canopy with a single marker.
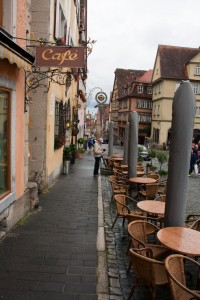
(110, 137)
(183, 113)
(133, 144)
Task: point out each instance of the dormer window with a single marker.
(140, 89)
(149, 90)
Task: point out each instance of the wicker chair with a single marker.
(154, 176)
(149, 192)
(138, 233)
(150, 230)
(148, 270)
(122, 207)
(191, 221)
(196, 225)
(175, 267)
(162, 187)
(117, 186)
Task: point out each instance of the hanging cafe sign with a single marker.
(101, 97)
(69, 57)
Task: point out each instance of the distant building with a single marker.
(172, 65)
(132, 91)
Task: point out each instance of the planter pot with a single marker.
(66, 164)
(73, 159)
(80, 155)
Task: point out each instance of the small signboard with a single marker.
(69, 57)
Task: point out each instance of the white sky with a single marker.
(128, 33)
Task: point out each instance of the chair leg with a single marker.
(129, 246)
(123, 221)
(114, 222)
(131, 292)
(129, 267)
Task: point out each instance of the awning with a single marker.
(14, 58)
(13, 52)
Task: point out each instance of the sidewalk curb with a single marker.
(102, 272)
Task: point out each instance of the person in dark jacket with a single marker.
(193, 160)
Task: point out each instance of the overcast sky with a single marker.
(128, 33)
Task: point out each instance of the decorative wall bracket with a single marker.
(38, 78)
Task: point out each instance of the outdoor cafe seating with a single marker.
(139, 237)
(175, 266)
(148, 270)
(117, 186)
(125, 205)
(149, 192)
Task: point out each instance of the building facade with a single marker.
(59, 99)
(132, 91)
(14, 62)
(172, 65)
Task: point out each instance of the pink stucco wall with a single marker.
(13, 73)
(21, 21)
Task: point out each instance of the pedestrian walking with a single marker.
(193, 160)
(97, 155)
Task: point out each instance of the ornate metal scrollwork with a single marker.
(37, 78)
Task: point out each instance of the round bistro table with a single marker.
(152, 206)
(142, 180)
(180, 239)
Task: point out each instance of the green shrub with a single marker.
(67, 153)
(162, 172)
(162, 158)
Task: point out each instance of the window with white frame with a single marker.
(197, 70)
(142, 118)
(144, 104)
(197, 113)
(8, 16)
(149, 90)
(60, 30)
(140, 88)
(196, 89)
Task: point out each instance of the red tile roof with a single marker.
(173, 60)
(124, 77)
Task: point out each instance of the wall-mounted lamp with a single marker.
(68, 124)
(158, 122)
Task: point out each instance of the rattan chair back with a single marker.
(174, 265)
(148, 270)
(123, 207)
(154, 176)
(150, 191)
(117, 186)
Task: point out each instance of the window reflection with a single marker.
(3, 142)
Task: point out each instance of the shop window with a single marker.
(60, 124)
(4, 143)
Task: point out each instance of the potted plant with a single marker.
(80, 141)
(73, 152)
(80, 152)
(67, 155)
